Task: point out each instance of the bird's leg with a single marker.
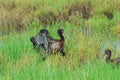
(62, 52)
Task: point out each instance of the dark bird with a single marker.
(108, 54)
(50, 45)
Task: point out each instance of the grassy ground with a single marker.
(85, 37)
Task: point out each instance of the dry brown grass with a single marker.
(17, 14)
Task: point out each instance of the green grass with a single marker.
(84, 39)
(49, 71)
(19, 60)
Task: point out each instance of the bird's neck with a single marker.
(61, 36)
(108, 58)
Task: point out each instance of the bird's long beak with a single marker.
(67, 35)
(102, 56)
